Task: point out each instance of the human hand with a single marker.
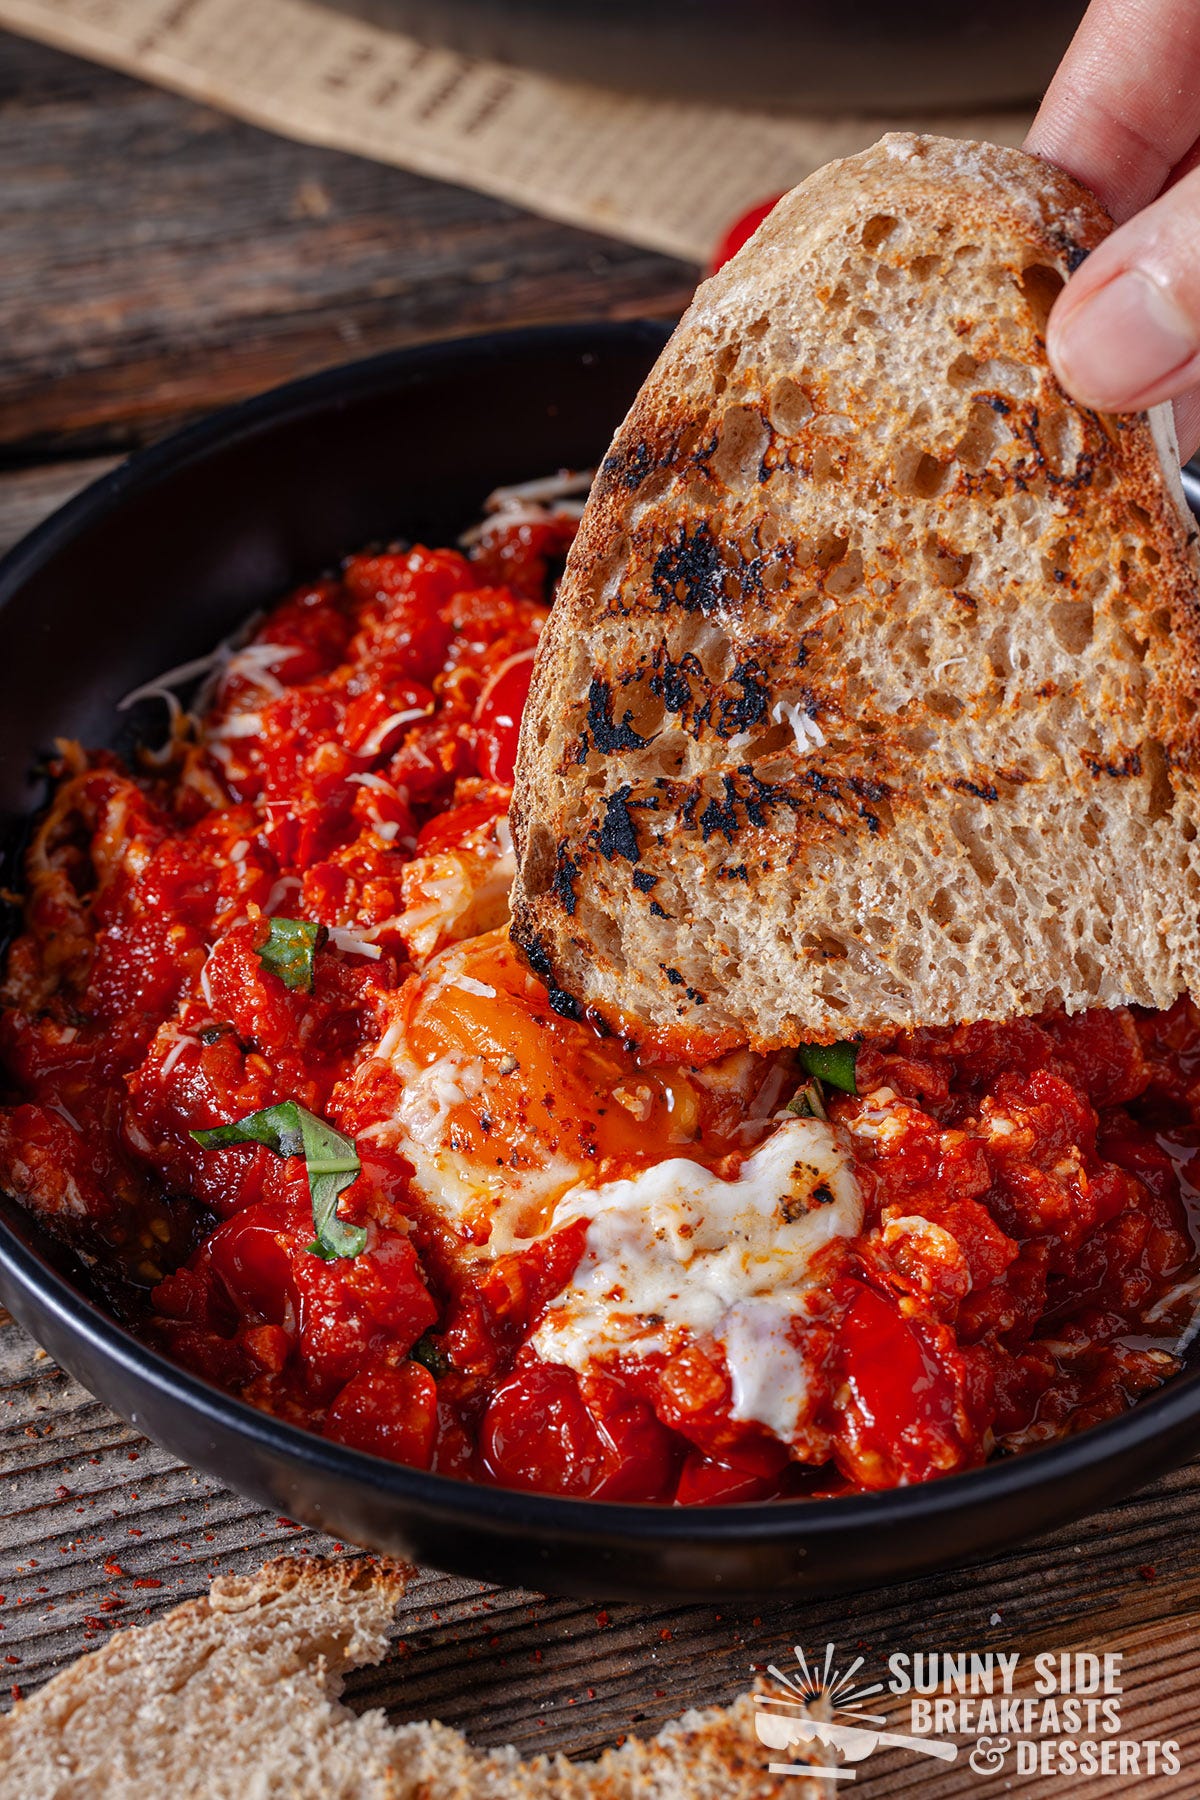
(1123, 115)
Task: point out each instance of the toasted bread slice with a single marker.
(868, 700)
(235, 1698)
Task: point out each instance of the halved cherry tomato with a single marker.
(388, 1412)
(900, 1423)
(540, 1435)
(498, 717)
(705, 1482)
(247, 1255)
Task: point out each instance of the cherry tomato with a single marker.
(377, 722)
(741, 231)
(248, 1258)
(388, 1412)
(498, 717)
(705, 1482)
(901, 1414)
(540, 1435)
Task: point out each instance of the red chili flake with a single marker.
(665, 1636)
(132, 1456)
(133, 1532)
(602, 1619)
(15, 1691)
(660, 1693)
(147, 1581)
(112, 1568)
(1148, 1572)
(110, 1603)
(591, 1693)
(290, 1524)
(536, 1657)
(12, 1659)
(61, 1492)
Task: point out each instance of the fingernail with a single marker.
(1119, 343)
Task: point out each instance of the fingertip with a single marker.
(1123, 345)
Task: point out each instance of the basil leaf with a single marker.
(833, 1063)
(289, 950)
(330, 1160)
(430, 1356)
(807, 1102)
(278, 1127)
(332, 1163)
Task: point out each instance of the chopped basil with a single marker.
(808, 1102)
(331, 1162)
(430, 1356)
(289, 950)
(832, 1063)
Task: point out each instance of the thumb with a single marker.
(1125, 332)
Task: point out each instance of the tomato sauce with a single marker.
(1021, 1264)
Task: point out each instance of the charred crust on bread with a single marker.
(534, 950)
(606, 734)
(617, 835)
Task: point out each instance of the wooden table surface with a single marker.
(156, 260)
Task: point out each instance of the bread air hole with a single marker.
(742, 443)
(877, 230)
(980, 440)
(1060, 435)
(1162, 794)
(973, 841)
(789, 406)
(724, 363)
(826, 467)
(1073, 623)
(949, 567)
(1040, 287)
(919, 474)
(846, 576)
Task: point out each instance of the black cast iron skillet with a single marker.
(805, 55)
(150, 566)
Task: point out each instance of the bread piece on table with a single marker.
(869, 698)
(235, 1698)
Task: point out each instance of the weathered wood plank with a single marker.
(158, 259)
(89, 1509)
